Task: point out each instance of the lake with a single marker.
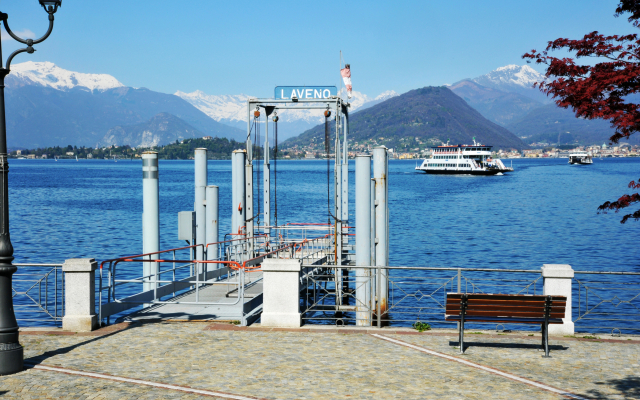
(543, 212)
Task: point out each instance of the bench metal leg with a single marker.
(461, 335)
(545, 340)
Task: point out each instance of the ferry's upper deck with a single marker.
(467, 150)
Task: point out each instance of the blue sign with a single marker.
(305, 92)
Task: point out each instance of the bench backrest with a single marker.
(506, 305)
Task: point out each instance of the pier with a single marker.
(278, 308)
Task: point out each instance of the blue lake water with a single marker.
(543, 212)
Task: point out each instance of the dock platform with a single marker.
(229, 308)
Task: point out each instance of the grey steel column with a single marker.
(345, 178)
(238, 195)
(380, 161)
(338, 192)
(249, 212)
(363, 239)
(372, 242)
(337, 182)
(234, 191)
(201, 178)
(212, 233)
(267, 178)
(150, 217)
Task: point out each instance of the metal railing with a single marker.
(415, 294)
(38, 294)
(181, 281)
(606, 301)
(601, 301)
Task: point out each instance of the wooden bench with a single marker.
(505, 309)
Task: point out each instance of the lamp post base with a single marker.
(11, 358)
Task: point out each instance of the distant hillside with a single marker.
(430, 113)
(555, 125)
(41, 116)
(495, 105)
(161, 129)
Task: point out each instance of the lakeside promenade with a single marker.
(189, 360)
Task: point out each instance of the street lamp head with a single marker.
(51, 6)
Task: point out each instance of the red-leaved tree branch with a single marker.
(600, 90)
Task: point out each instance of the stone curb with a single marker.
(346, 331)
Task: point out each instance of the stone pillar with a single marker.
(79, 295)
(281, 293)
(557, 282)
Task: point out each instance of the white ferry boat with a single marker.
(462, 159)
(580, 157)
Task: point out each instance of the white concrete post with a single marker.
(380, 168)
(212, 215)
(79, 295)
(150, 217)
(199, 205)
(363, 239)
(557, 282)
(281, 292)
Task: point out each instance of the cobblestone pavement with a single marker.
(591, 368)
(311, 364)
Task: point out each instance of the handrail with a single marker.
(150, 254)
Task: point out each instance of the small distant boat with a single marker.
(55, 158)
(76, 158)
(580, 157)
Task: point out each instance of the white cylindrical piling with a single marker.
(150, 217)
(380, 169)
(363, 239)
(212, 231)
(199, 206)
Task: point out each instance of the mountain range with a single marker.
(48, 106)
(429, 114)
(507, 97)
(232, 110)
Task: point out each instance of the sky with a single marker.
(233, 47)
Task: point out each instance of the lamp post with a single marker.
(11, 352)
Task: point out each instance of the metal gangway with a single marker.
(214, 279)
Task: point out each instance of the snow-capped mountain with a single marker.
(514, 78)
(512, 75)
(50, 75)
(232, 110)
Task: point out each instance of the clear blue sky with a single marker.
(232, 47)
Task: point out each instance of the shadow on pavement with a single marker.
(629, 387)
(554, 347)
(29, 362)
